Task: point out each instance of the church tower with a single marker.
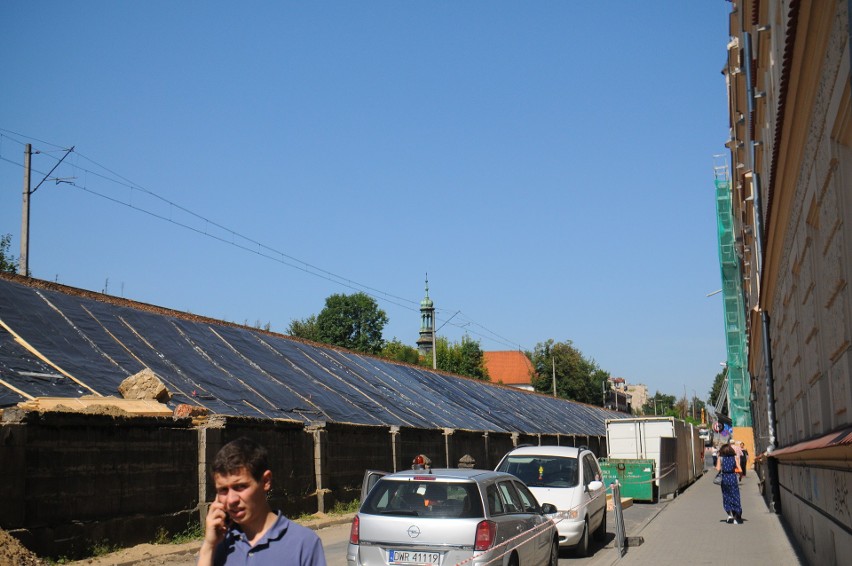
(427, 324)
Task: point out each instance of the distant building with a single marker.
(510, 368)
(638, 395)
(616, 397)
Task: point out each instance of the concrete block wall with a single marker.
(550, 440)
(498, 444)
(530, 439)
(291, 458)
(70, 480)
(352, 449)
(414, 441)
(467, 442)
(70, 477)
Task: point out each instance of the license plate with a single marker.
(413, 557)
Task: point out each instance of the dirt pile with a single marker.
(13, 553)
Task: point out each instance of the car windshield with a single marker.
(424, 499)
(542, 471)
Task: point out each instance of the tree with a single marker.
(352, 321)
(696, 409)
(305, 329)
(8, 263)
(660, 404)
(261, 326)
(399, 352)
(670, 406)
(463, 358)
(716, 390)
(682, 408)
(577, 378)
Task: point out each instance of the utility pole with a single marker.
(24, 262)
(693, 404)
(552, 359)
(434, 343)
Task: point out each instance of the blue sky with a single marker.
(549, 164)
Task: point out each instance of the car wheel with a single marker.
(513, 561)
(600, 532)
(582, 548)
(554, 553)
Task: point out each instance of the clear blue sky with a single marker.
(549, 164)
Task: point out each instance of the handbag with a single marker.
(718, 479)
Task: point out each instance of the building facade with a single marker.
(638, 395)
(788, 77)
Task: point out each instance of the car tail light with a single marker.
(355, 532)
(485, 532)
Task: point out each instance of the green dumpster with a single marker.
(635, 476)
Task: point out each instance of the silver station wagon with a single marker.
(449, 516)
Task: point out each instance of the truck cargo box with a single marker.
(666, 440)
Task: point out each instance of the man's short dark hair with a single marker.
(241, 453)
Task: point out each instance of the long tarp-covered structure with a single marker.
(57, 341)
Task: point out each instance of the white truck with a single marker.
(673, 444)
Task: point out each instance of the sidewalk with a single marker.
(692, 530)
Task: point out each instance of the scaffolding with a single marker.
(738, 381)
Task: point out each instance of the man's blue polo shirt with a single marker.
(285, 544)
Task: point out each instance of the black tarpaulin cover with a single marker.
(58, 341)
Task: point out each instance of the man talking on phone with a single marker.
(241, 528)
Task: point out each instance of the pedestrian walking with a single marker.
(738, 454)
(743, 457)
(729, 467)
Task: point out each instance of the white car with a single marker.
(451, 516)
(570, 478)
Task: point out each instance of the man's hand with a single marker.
(215, 527)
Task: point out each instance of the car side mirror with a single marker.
(548, 508)
(594, 485)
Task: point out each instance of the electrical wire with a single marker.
(261, 249)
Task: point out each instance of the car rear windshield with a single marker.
(424, 499)
(542, 471)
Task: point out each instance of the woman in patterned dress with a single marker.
(728, 465)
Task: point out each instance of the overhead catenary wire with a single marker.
(237, 239)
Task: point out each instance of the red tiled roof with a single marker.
(510, 368)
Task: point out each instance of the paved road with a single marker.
(689, 529)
